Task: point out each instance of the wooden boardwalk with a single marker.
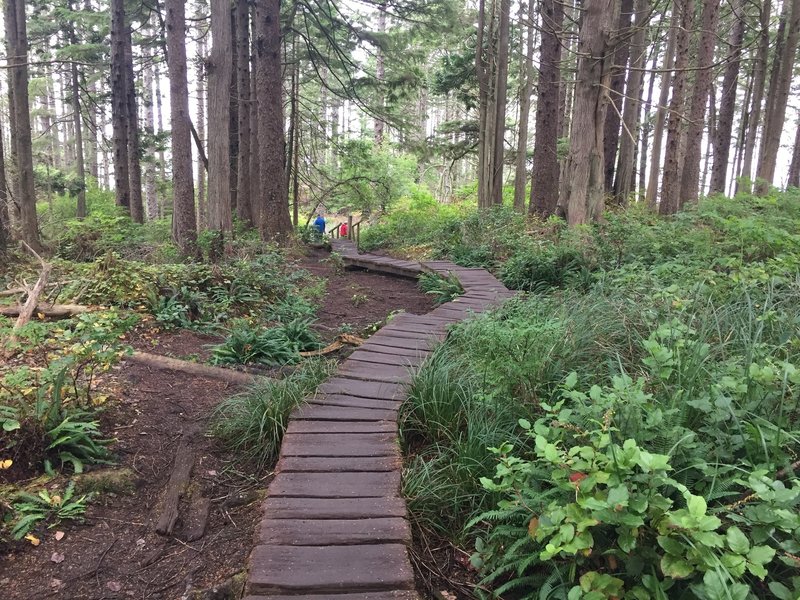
(334, 523)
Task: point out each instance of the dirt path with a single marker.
(116, 552)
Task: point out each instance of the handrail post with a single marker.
(358, 236)
(349, 227)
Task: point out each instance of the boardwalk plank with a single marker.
(323, 569)
(351, 444)
(333, 508)
(342, 427)
(362, 389)
(335, 485)
(387, 359)
(394, 595)
(346, 401)
(327, 412)
(339, 464)
(334, 532)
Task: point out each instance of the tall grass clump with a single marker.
(251, 424)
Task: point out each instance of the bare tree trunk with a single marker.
(525, 90)
(184, 223)
(233, 128)
(79, 165)
(646, 127)
(545, 172)
(380, 73)
(162, 159)
(243, 208)
(119, 105)
(273, 195)
(727, 105)
(5, 221)
(794, 168)
(661, 114)
(630, 115)
(582, 185)
(255, 143)
(134, 148)
(150, 194)
(294, 136)
(202, 99)
(219, 85)
(20, 119)
(670, 186)
(776, 103)
(712, 132)
(482, 64)
(690, 174)
(759, 80)
(613, 120)
(501, 91)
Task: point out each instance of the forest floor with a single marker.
(116, 552)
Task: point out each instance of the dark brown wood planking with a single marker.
(334, 523)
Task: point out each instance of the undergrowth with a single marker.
(630, 428)
(251, 425)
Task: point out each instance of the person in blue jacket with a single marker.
(319, 224)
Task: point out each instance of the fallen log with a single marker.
(48, 311)
(176, 486)
(184, 366)
(338, 343)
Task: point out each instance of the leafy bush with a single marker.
(251, 425)
(274, 346)
(46, 508)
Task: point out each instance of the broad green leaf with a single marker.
(737, 541)
(674, 567)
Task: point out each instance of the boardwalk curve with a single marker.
(334, 524)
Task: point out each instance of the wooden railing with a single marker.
(353, 231)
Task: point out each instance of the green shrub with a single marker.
(251, 424)
(33, 510)
(443, 289)
(274, 346)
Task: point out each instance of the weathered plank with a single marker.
(393, 595)
(387, 358)
(335, 485)
(339, 464)
(351, 444)
(323, 569)
(347, 401)
(298, 426)
(333, 508)
(376, 372)
(334, 532)
(328, 412)
(363, 389)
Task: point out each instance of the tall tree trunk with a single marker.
(759, 80)
(255, 143)
(482, 66)
(78, 125)
(582, 185)
(613, 120)
(5, 221)
(661, 114)
(219, 84)
(150, 193)
(134, 147)
(776, 103)
(690, 174)
(294, 133)
(501, 91)
(727, 104)
(626, 164)
(671, 185)
(184, 223)
(233, 128)
(162, 159)
(202, 99)
(545, 171)
(119, 105)
(712, 132)
(793, 179)
(380, 73)
(646, 125)
(20, 120)
(273, 196)
(243, 209)
(525, 90)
